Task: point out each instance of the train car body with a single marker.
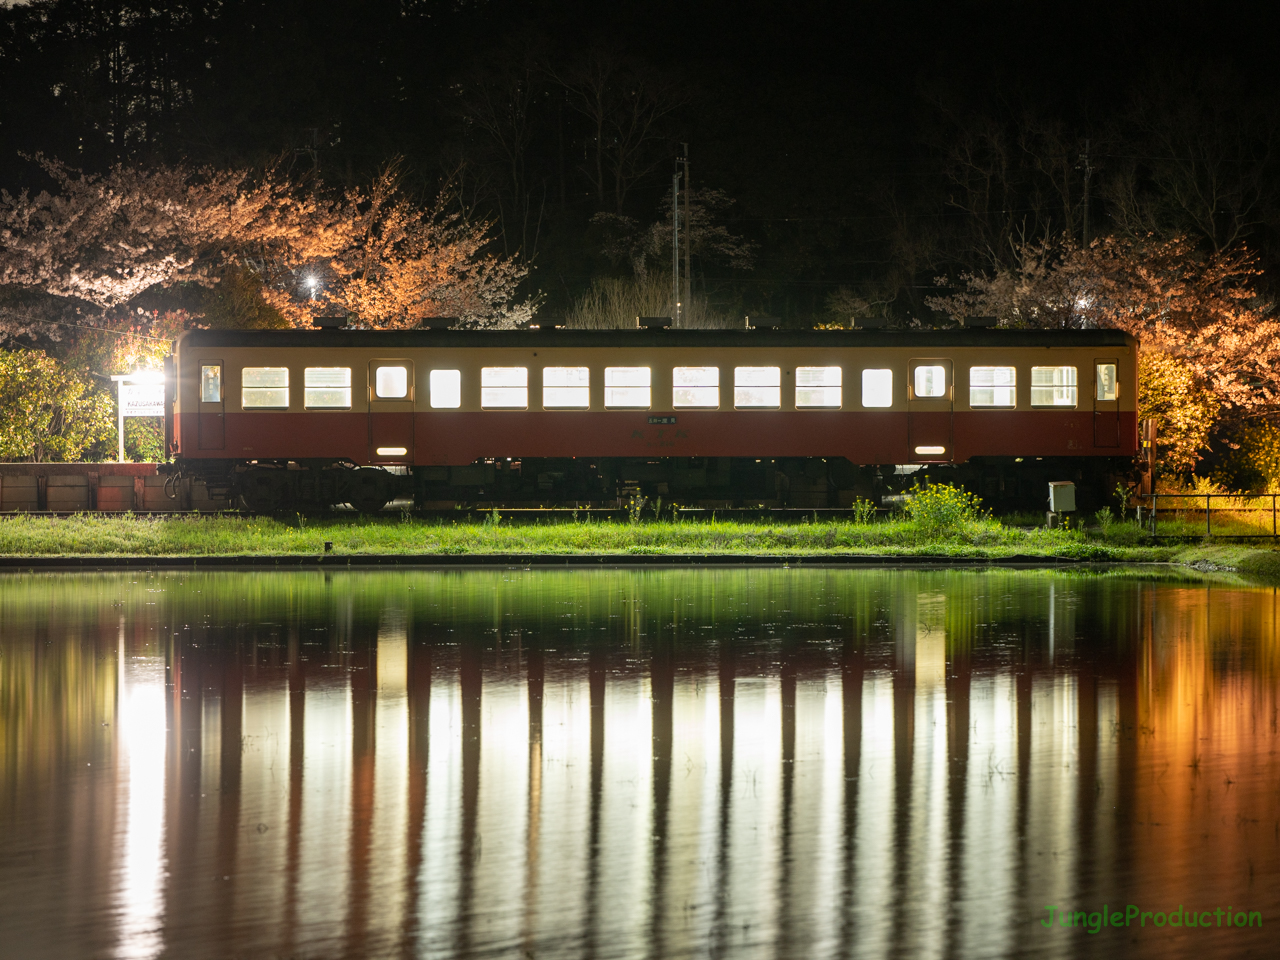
(583, 412)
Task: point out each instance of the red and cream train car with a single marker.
(318, 417)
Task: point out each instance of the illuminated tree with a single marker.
(136, 342)
(1210, 344)
(106, 239)
(102, 241)
(1201, 309)
(1185, 411)
(392, 264)
(51, 412)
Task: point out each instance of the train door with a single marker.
(391, 390)
(1106, 403)
(211, 422)
(930, 402)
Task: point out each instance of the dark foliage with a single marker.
(869, 147)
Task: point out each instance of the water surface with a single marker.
(633, 763)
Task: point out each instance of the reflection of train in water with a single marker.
(809, 419)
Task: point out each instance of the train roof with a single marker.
(419, 339)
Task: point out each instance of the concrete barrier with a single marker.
(19, 493)
(156, 500)
(115, 494)
(67, 494)
(106, 487)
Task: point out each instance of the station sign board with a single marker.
(142, 399)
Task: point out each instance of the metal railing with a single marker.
(1223, 515)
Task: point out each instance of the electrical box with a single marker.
(1062, 496)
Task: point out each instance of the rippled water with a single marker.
(655, 763)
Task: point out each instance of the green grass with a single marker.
(192, 535)
(98, 535)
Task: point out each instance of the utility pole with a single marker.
(688, 240)
(1088, 170)
(675, 249)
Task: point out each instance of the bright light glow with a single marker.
(930, 381)
(626, 387)
(877, 388)
(695, 387)
(327, 388)
(140, 897)
(264, 387)
(819, 387)
(566, 387)
(147, 376)
(504, 388)
(392, 820)
(446, 389)
(992, 386)
(930, 451)
(391, 383)
(1053, 387)
(324, 859)
(392, 451)
(757, 387)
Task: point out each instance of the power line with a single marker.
(83, 326)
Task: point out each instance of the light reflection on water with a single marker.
(666, 763)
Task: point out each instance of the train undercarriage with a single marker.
(1005, 484)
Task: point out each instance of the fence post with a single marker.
(1273, 515)
(1207, 515)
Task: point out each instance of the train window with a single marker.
(992, 386)
(391, 383)
(326, 388)
(818, 386)
(446, 389)
(566, 387)
(626, 387)
(1053, 386)
(504, 388)
(211, 383)
(695, 387)
(264, 388)
(757, 386)
(930, 381)
(1107, 387)
(877, 388)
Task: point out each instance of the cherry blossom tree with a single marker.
(392, 263)
(106, 239)
(1201, 309)
(101, 242)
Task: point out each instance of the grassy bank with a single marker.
(184, 536)
(100, 535)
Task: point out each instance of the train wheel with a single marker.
(367, 490)
(264, 491)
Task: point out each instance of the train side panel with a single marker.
(955, 429)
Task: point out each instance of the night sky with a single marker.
(834, 128)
